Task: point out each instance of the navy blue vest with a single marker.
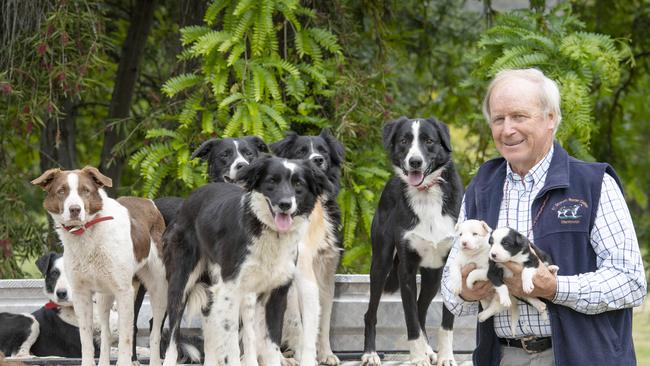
(563, 231)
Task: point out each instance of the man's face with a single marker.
(521, 130)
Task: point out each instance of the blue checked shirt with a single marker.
(619, 282)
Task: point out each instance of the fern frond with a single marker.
(192, 33)
(325, 39)
(231, 99)
(214, 9)
(162, 132)
(244, 6)
(208, 41)
(179, 83)
(275, 116)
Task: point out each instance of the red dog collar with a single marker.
(78, 230)
(52, 305)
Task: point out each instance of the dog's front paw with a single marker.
(553, 269)
(483, 316)
(328, 359)
(422, 361)
(527, 286)
(289, 362)
(505, 301)
(370, 359)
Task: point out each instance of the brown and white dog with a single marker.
(108, 245)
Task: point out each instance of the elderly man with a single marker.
(575, 212)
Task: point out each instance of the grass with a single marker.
(641, 333)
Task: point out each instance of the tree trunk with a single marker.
(127, 75)
(58, 143)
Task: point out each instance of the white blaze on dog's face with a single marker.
(508, 245)
(473, 235)
(73, 196)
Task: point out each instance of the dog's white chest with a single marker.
(270, 264)
(432, 237)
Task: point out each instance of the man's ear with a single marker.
(388, 132)
(250, 175)
(337, 152)
(46, 178)
(259, 144)
(44, 262)
(283, 147)
(98, 178)
(204, 150)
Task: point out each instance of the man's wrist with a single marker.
(566, 290)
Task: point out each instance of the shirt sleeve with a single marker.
(619, 282)
(455, 303)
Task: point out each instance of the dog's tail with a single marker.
(189, 347)
(392, 282)
(198, 299)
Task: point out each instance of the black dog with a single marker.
(245, 240)
(319, 256)
(413, 228)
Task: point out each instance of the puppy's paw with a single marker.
(553, 269)
(456, 289)
(447, 362)
(370, 359)
(289, 362)
(528, 287)
(483, 316)
(505, 301)
(328, 359)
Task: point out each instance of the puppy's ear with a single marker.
(44, 262)
(98, 178)
(46, 178)
(389, 132)
(443, 132)
(204, 150)
(337, 152)
(283, 147)
(316, 180)
(259, 144)
(486, 227)
(250, 175)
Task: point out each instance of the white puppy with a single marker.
(474, 248)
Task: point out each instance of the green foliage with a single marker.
(585, 65)
(261, 67)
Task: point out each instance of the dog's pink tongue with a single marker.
(283, 222)
(415, 177)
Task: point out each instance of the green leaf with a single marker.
(179, 83)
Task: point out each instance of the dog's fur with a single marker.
(105, 257)
(474, 247)
(509, 245)
(413, 228)
(245, 242)
(309, 307)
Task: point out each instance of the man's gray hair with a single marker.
(549, 93)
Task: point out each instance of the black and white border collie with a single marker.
(225, 157)
(246, 241)
(413, 228)
(306, 332)
(509, 245)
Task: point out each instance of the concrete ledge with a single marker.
(350, 304)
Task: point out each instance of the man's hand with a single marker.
(480, 290)
(544, 281)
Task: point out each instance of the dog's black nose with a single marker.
(284, 205)
(493, 255)
(240, 165)
(75, 210)
(62, 294)
(415, 163)
(318, 160)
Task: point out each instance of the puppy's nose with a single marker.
(284, 205)
(240, 165)
(75, 210)
(493, 255)
(464, 244)
(62, 294)
(318, 160)
(415, 163)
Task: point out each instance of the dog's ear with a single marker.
(98, 178)
(250, 175)
(46, 178)
(204, 150)
(283, 147)
(486, 227)
(44, 262)
(337, 152)
(389, 132)
(317, 180)
(443, 132)
(259, 144)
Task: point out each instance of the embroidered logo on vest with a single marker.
(570, 210)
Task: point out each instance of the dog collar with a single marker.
(78, 230)
(52, 305)
(434, 181)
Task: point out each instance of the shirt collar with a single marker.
(535, 176)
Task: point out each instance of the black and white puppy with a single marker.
(413, 228)
(305, 331)
(245, 240)
(509, 245)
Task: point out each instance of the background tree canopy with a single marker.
(135, 86)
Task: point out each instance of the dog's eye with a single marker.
(249, 153)
(225, 154)
(403, 141)
(60, 191)
(322, 150)
(298, 184)
(428, 141)
(84, 190)
(475, 234)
